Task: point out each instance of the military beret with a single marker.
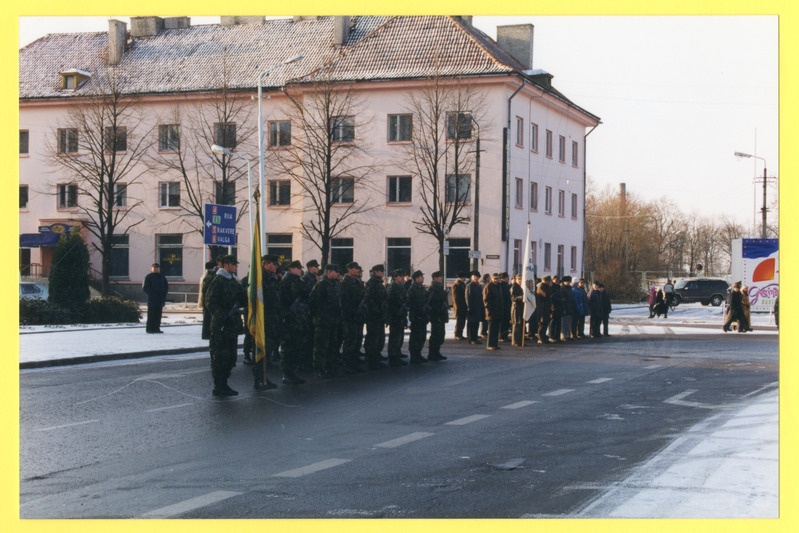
(331, 266)
(269, 258)
(352, 265)
(417, 274)
(398, 272)
(566, 279)
(210, 265)
(378, 268)
(295, 264)
(437, 274)
(461, 274)
(229, 260)
(312, 263)
(476, 273)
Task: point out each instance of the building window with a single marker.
(225, 192)
(170, 254)
(400, 128)
(534, 257)
(280, 133)
(67, 140)
(458, 258)
(547, 256)
(119, 264)
(548, 200)
(549, 144)
(459, 126)
(574, 206)
(534, 137)
(341, 251)
(519, 193)
(574, 259)
(399, 189)
(343, 129)
(23, 141)
(120, 195)
(398, 254)
(562, 149)
(279, 245)
(459, 189)
(225, 134)
(561, 203)
(575, 153)
(116, 139)
(560, 260)
(342, 191)
(67, 196)
(168, 138)
(533, 196)
(169, 194)
(23, 196)
(519, 131)
(280, 192)
(517, 256)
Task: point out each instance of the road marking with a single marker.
(68, 425)
(600, 380)
(558, 392)
(519, 405)
(312, 468)
(404, 440)
(652, 367)
(157, 409)
(190, 505)
(678, 400)
(466, 420)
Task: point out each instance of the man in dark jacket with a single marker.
(493, 300)
(271, 296)
(418, 314)
(325, 307)
(504, 324)
(556, 305)
(294, 311)
(225, 296)
(439, 315)
(205, 281)
(376, 309)
(459, 307)
(156, 288)
(606, 308)
(517, 310)
(596, 308)
(352, 316)
(569, 306)
(543, 307)
(476, 309)
(736, 310)
(397, 318)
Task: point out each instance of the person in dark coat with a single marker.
(505, 321)
(376, 311)
(225, 297)
(156, 287)
(568, 308)
(310, 277)
(271, 296)
(418, 314)
(736, 311)
(397, 318)
(556, 306)
(459, 307)
(475, 313)
(294, 312)
(579, 310)
(581, 284)
(494, 302)
(595, 306)
(438, 314)
(606, 309)
(486, 281)
(325, 307)
(543, 307)
(517, 310)
(352, 318)
(205, 281)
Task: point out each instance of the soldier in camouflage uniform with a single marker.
(376, 312)
(311, 276)
(417, 311)
(438, 314)
(325, 306)
(352, 314)
(269, 286)
(294, 309)
(397, 317)
(224, 297)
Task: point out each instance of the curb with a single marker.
(67, 361)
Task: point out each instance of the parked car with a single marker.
(703, 290)
(30, 289)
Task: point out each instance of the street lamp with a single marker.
(765, 181)
(261, 175)
(221, 150)
(476, 202)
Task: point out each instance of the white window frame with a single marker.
(343, 129)
(561, 203)
(562, 149)
(519, 193)
(278, 136)
(67, 197)
(534, 137)
(549, 144)
(394, 186)
(533, 196)
(548, 200)
(575, 154)
(168, 137)
(276, 193)
(519, 131)
(400, 128)
(168, 191)
(342, 191)
(574, 206)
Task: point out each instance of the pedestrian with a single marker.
(376, 311)
(652, 301)
(745, 324)
(517, 310)
(486, 281)
(397, 318)
(325, 308)
(668, 291)
(735, 311)
(581, 284)
(438, 314)
(156, 287)
(475, 313)
(577, 295)
(595, 306)
(225, 297)
(543, 306)
(295, 315)
(493, 300)
(205, 281)
(606, 309)
(660, 307)
(556, 305)
(352, 318)
(271, 301)
(568, 308)
(459, 307)
(418, 314)
(505, 322)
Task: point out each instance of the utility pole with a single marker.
(764, 227)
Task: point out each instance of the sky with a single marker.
(677, 96)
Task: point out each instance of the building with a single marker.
(513, 148)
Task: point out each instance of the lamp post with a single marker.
(476, 202)
(765, 181)
(261, 175)
(221, 150)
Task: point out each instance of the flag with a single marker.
(528, 279)
(255, 293)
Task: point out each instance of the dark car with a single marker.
(703, 290)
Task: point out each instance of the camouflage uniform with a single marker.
(324, 303)
(439, 315)
(376, 310)
(351, 290)
(306, 361)
(294, 309)
(397, 318)
(417, 310)
(224, 297)
(269, 285)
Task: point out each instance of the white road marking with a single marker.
(652, 367)
(466, 420)
(600, 380)
(178, 406)
(190, 505)
(68, 425)
(519, 405)
(312, 468)
(677, 399)
(404, 440)
(559, 392)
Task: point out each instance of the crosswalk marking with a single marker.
(600, 380)
(466, 420)
(190, 504)
(559, 392)
(312, 468)
(404, 440)
(519, 405)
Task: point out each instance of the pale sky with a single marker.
(677, 97)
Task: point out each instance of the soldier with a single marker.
(205, 282)
(459, 307)
(417, 310)
(439, 316)
(504, 323)
(543, 306)
(225, 296)
(556, 304)
(569, 307)
(294, 310)
(476, 309)
(325, 305)
(271, 297)
(352, 318)
(517, 310)
(493, 299)
(311, 276)
(397, 317)
(376, 313)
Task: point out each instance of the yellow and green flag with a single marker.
(255, 293)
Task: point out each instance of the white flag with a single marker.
(528, 279)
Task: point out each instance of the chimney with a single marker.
(117, 39)
(341, 30)
(466, 19)
(235, 21)
(517, 40)
(176, 23)
(145, 26)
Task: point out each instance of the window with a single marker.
(574, 206)
(279, 245)
(400, 128)
(120, 195)
(342, 191)
(574, 259)
(280, 133)
(533, 196)
(23, 141)
(534, 257)
(459, 190)
(67, 196)
(562, 149)
(560, 261)
(398, 254)
(168, 137)
(225, 134)
(23, 196)
(548, 200)
(519, 193)
(561, 203)
(343, 129)
(575, 153)
(279, 192)
(341, 251)
(225, 192)
(67, 140)
(519, 131)
(534, 137)
(549, 144)
(119, 265)
(116, 139)
(169, 194)
(547, 256)
(459, 126)
(517, 256)
(399, 189)
(169, 250)
(458, 258)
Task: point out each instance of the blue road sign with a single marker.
(220, 225)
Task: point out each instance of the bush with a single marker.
(110, 309)
(104, 310)
(34, 312)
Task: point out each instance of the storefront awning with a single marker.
(35, 240)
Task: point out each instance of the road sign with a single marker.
(446, 247)
(220, 225)
(475, 254)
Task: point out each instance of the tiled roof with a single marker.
(193, 59)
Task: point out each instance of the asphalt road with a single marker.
(538, 432)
